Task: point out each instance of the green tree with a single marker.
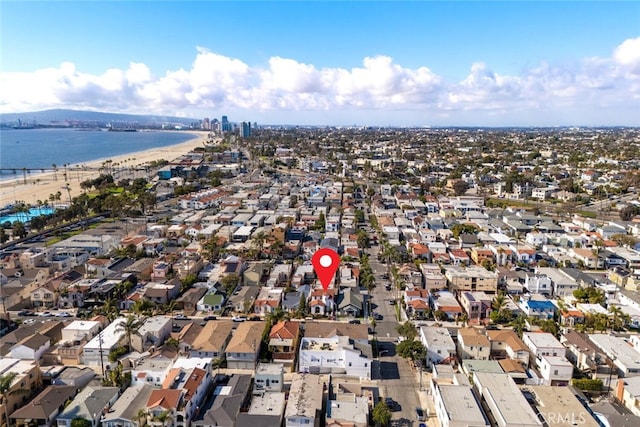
(407, 330)
(80, 422)
(163, 417)
(411, 349)
(589, 295)
(130, 327)
(381, 414)
(19, 230)
(229, 282)
(141, 417)
(5, 390)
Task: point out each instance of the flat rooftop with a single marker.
(560, 407)
(505, 400)
(461, 405)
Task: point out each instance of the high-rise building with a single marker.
(245, 130)
(205, 123)
(226, 125)
(215, 126)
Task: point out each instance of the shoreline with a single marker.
(41, 185)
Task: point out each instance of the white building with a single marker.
(304, 406)
(439, 344)
(543, 344)
(624, 356)
(333, 355)
(456, 405)
(507, 404)
(80, 330)
(555, 370)
(103, 343)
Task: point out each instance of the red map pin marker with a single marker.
(325, 263)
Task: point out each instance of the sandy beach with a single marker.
(40, 186)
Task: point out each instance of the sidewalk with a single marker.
(425, 398)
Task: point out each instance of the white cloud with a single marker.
(215, 84)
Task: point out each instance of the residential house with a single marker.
(188, 301)
(25, 383)
(229, 399)
(45, 407)
(124, 412)
(473, 344)
(212, 340)
(555, 370)
(433, 277)
(624, 356)
(543, 344)
(347, 410)
(91, 403)
(74, 376)
(481, 255)
(356, 333)
(472, 278)
(477, 305)
(350, 303)
(504, 400)
(305, 403)
(417, 302)
(538, 307)
(212, 301)
(333, 355)
(268, 300)
(167, 401)
(439, 344)
(628, 393)
(192, 381)
(162, 293)
(446, 303)
(243, 349)
(152, 333)
(283, 342)
(31, 348)
(505, 343)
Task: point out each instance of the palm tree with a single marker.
(163, 417)
(499, 302)
(6, 381)
(141, 417)
(130, 327)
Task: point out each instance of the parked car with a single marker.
(28, 321)
(388, 286)
(378, 316)
(63, 314)
(181, 317)
(207, 318)
(45, 314)
(239, 318)
(354, 321)
(420, 414)
(26, 313)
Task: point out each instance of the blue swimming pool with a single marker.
(26, 216)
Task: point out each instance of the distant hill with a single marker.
(48, 117)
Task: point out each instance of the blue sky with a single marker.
(331, 62)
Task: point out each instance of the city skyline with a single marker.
(329, 63)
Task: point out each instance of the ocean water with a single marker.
(41, 148)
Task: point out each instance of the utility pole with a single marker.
(101, 357)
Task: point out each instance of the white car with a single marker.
(45, 314)
(239, 318)
(63, 314)
(28, 322)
